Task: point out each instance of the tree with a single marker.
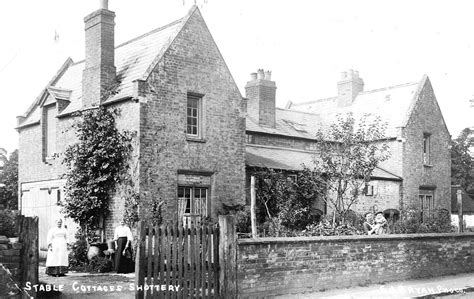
(9, 180)
(95, 165)
(462, 161)
(347, 154)
(285, 202)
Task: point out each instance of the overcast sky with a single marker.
(305, 43)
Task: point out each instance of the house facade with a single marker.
(174, 91)
(417, 174)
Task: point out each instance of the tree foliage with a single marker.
(283, 202)
(94, 166)
(347, 154)
(462, 161)
(9, 180)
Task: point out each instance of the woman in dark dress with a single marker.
(123, 244)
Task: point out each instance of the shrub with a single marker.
(412, 222)
(100, 264)
(242, 218)
(8, 226)
(78, 254)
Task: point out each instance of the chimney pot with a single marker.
(268, 75)
(104, 4)
(261, 74)
(343, 75)
(356, 74)
(253, 76)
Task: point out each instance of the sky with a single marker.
(305, 43)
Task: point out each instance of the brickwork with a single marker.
(192, 63)
(261, 94)
(426, 118)
(282, 266)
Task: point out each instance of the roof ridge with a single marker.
(363, 92)
(139, 37)
(389, 87)
(297, 111)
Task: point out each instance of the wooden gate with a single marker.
(177, 262)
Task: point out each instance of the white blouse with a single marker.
(123, 231)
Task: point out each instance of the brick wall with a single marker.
(191, 64)
(427, 118)
(279, 266)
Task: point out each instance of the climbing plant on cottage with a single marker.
(95, 165)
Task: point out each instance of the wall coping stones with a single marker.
(355, 238)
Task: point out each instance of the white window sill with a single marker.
(195, 139)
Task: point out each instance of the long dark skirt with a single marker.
(123, 263)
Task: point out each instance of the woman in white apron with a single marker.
(57, 260)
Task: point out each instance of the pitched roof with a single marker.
(134, 60)
(392, 104)
(293, 160)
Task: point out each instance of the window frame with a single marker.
(192, 203)
(426, 199)
(48, 150)
(426, 149)
(199, 117)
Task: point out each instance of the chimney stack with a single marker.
(99, 72)
(349, 87)
(261, 94)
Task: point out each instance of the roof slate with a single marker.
(292, 159)
(392, 104)
(133, 60)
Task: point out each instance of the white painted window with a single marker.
(426, 149)
(49, 127)
(192, 204)
(194, 116)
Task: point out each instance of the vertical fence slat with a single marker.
(184, 286)
(204, 273)
(174, 258)
(149, 257)
(139, 266)
(215, 261)
(192, 255)
(169, 260)
(162, 254)
(198, 260)
(156, 260)
(179, 281)
(210, 265)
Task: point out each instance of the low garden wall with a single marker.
(279, 266)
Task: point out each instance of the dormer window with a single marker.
(49, 124)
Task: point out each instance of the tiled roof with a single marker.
(392, 104)
(288, 123)
(292, 159)
(133, 60)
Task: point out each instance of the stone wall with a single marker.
(10, 258)
(280, 266)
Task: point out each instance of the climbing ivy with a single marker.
(95, 165)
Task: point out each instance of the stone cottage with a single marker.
(174, 90)
(418, 171)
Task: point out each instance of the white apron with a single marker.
(57, 255)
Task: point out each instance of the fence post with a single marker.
(28, 236)
(140, 261)
(227, 257)
(460, 211)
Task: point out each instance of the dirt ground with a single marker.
(87, 285)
